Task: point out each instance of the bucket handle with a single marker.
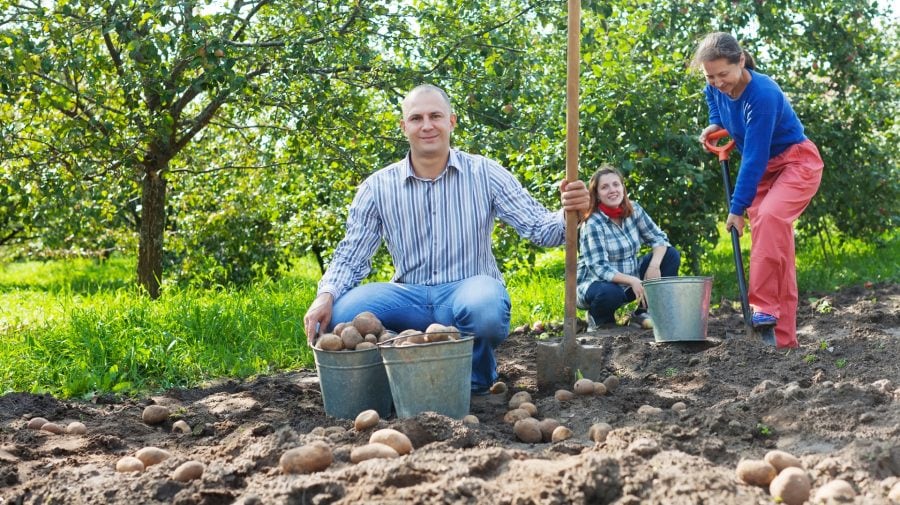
(390, 342)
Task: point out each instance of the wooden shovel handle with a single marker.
(573, 62)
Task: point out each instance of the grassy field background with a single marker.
(77, 328)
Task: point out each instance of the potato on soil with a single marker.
(129, 464)
(470, 419)
(366, 322)
(679, 406)
(611, 383)
(312, 457)
(372, 451)
(515, 415)
(53, 428)
(150, 456)
(330, 342)
(599, 431)
(649, 410)
(599, 388)
(837, 490)
(519, 398)
(530, 408)
(155, 414)
(366, 419)
(36, 422)
(528, 430)
(755, 472)
(564, 395)
(351, 337)
(781, 460)
(76, 428)
(547, 426)
(584, 387)
(560, 433)
(188, 471)
(498, 388)
(392, 438)
(791, 486)
(894, 493)
(180, 426)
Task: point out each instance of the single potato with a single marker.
(560, 433)
(584, 387)
(755, 472)
(781, 460)
(791, 486)
(330, 342)
(837, 490)
(529, 407)
(392, 438)
(129, 464)
(564, 395)
(470, 419)
(188, 471)
(600, 389)
(366, 419)
(155, 414)
(36, 422)
(599, 431)
(150, 456)
(351, 337)
(372, 451)
(76, 428)
(611, 383)
(53, 428)
(519, 398)
(312, 457)
(366, 322)
(528, 430)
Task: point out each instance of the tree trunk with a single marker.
(153, 224)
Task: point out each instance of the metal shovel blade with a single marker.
(559, 363)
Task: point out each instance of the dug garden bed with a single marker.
(834, 404)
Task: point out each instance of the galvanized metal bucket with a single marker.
(431, 377)
(679, 307)
(353, 381)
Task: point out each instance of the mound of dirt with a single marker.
(834, 404)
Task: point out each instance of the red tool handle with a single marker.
(722, 151)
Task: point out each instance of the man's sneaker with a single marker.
(763, 320)
(642, 320)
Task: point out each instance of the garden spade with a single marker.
(560, 363)
(724, 151)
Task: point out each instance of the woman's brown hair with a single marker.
(627, 208)
(717, 45)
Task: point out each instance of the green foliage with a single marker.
(262, 122)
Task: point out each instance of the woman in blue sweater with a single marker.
(780, 172)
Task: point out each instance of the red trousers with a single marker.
(789, 183)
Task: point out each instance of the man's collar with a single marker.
(452, 162)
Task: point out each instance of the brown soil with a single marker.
(834, 403)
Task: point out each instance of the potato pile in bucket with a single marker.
(365, 331)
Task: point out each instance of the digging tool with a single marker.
(724, 151)
(559, 363)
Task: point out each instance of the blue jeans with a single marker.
(603, 298)
(478, 305)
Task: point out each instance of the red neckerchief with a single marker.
(612, 212)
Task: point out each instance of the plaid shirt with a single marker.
(437, 231)
(605, 248)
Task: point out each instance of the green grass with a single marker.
(71, 339)
(75, 328)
